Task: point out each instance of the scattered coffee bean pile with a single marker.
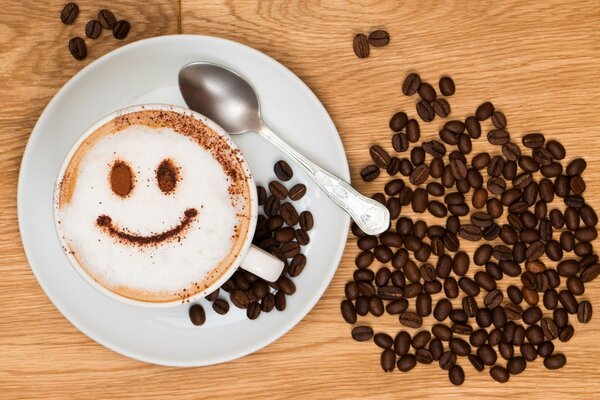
(517, 207)
(362, 44)
(281, 231)
(93, 29)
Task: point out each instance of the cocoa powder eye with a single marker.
(167, 176)
(121, 179)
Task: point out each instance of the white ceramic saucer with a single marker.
(145, 72)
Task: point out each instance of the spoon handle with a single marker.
(370, 215)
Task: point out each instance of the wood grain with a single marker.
(538, 62)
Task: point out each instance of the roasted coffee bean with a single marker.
(272, 206)
(376, 306)
(394, 166)
(493, 299)
(487, 354)
(425, 111)
(411, 319)
(411, 84)
(442, 310)
(451, 288)
(484, 111)
(369, 173)
(362, 333)
(390, 293)
(197, 315)
(441, 107)
(483, 317)
(428, 272)
(382, 277)
(421, 339)
(69, 13)
(348, 311)
(549, 328)
(545, 349)
(107, 19)
(297, 192)
(423, 304)
(460, 347)
(584, 312)
(511, 151)
(396, 306)
(499, 317)
(498, 136)
(221, 306)
(516, 365)
(93, 29)
(482, 255)
(575, 286)
(456, 375)
(478, 337)
(469, 286)
(442, 332)
(506, 350)
(283, 171)
(470, 232)
(262, 195)
(513, 311)
(499, 120)
(555, 361)
(380, 157)
(458, 169)
(77, 48)
(406, 362)
(239, 298)
(402, 343)
(289, 214)
(530, 296)
(360, 45)
(550, 299)
(447, 360)
(417, 155)
(458, 316)
(499, 374)
(419, 175)
(290, 249)
(379, 38)
(576, 167)
(388, 360)
(566, 333)
(120, 31)
(280, 302)
(532, 315)
(351, 290)
(473, 127)
(514, 294)
(448, 136)
(364, 275)
(413, 290)
(534, 334)
(462, 329)
(432, 287)
(427, 92)
(434, 148)
(446, 85)
(366, 289)
(469, 306)
(528, 351)
(213, 296)
(284, 235)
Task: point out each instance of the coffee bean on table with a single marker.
(411, 84)
(441, 107)
(360, 44)
(447, 360)
(411, 319)
(379, 38)
(283, 171)
(456, 375)
(584, 312)
(425, 111)
(406, 362)
(499, 374)
(107, 19)
(93, 29)
(362, 333)
(555, 361)
(459, 346)
(446, 85)
(77, 48)
(121, 30)
(69, 13)
(221, 306)
(369, 173)
(388, 360)
(380, 157)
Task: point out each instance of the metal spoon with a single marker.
(226, 98)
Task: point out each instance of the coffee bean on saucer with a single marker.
(290, 249)
(93, 29)
(121, 30)
(411, 84)
(297, 265)
(446, 85)
(253, 310)
(289, 214)
(69, 13)
(213, 296)
(107, 19)
(221, 306)
(305, 220)
(280, 301)
(278, 190)
(239, 298)
(261, 194)
(297, 191)
(360, 44)
(272, 206)
(283, 171)
(197, 314)
(77, 48)
(379, 38)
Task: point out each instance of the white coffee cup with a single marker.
(249, 257)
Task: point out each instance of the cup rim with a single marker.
(253, 197)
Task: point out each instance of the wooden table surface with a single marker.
(538, 61)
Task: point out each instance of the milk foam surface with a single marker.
(165, 267)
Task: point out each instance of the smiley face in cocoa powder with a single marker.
(122, 182)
